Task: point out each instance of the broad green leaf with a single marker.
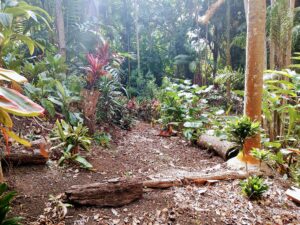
(28, 41)
(5, 119)
(13, 102)
(83, 162)
(10, 75)
(193, 124)
(18, 139)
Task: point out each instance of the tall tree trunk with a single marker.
(228, 43)
(137, 35)
(272, 45)
(291, 4)
(1, 173)
(246, 9)
(60, 27)
(254, 70)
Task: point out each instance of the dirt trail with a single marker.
(138, 154)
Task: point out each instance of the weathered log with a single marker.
(24, 158)
(105, 194)
(294, 194)
(224, 149)
(198, 179)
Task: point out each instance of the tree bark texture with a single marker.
(105, 194)
(89, 107)
(60, 27)
(254, 67)
(224, 149)
(30, 158)
(228, 44)
(198, 179)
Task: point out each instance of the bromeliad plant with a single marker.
(72, 138)
(12, 102)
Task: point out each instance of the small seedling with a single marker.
(254, 187)
(103, 139)
(261, 154)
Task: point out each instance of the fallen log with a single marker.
(24, 158)
(105, 194)
(198, 179)
(224, 149)
(294, 194)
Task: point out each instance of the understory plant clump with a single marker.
(72, 139)
(182, 107)
(5, 208)
(253, 187)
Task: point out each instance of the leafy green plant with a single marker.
(192, 130)
(295, 173)
(253, 187)
(72, 138)
(5, 201)
(65, 99)
(17, 17)
(102, 139)
(39, 92)
(261, 154)
(241, 129)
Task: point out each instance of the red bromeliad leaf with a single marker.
(15, 103)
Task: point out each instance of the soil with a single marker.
(139, 154)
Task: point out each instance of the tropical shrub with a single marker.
(65, 99)
(253, 187)
(17, 17)
(5, 201)
(72, 139)
(102, 139)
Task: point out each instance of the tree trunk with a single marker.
(1, 173)
(246, 9)
(228, 43)
(271, 45)
(137, 35)
(89, 107)
(254, 70)
(60, 27)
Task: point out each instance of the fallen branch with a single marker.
(224, 149)
(198, 179)
(210, 12)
